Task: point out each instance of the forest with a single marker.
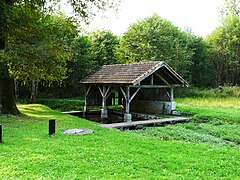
(45, 53)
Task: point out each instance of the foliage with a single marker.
(224, 51)
(82, 62)
(87, 9)
(231, 7)
(224, 45)
(80, 65)
(103, 47)
(39, 48)
(201, 68)
(21, 25)
(27, 152)
(155, 38)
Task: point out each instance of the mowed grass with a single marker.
(215, 121)
(27, 152)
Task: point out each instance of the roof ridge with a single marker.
(143, 62)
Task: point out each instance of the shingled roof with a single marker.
(131, 73)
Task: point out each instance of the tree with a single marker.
(231, 7)
(201, 68)
(40, 51)
(155, 38)
(103, 47)
(224, 45)
(10, 11)
(80, 65)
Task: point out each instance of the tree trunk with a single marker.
(7, 97)
(7, 90)
(33, 91)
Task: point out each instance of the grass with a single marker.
(215, 121)
(27, 152)
(219, 92)
(63, 104)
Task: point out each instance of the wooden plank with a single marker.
(156, 86)
(144, 123)
(150, 86)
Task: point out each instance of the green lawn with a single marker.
(215, 121)
(27, 152)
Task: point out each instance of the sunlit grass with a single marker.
(214, 121)
(210, 102)
(27, 152)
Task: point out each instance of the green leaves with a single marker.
(103, 47)
(224, 45)
(39, 47)
(155, 38)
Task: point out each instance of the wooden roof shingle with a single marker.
(127, 73)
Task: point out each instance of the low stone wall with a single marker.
(158, 107)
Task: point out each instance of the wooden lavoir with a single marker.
(145, 87)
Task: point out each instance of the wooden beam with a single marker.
(88, 90)
(168, 94)
(106, 93)
(145, 75)
(176, 75)
(152, 79)
(124, 94)
(134, 94)
(100, 91)
(128, 100)
(85, 103)
(171, 94)
(164, 80)
(150, 86)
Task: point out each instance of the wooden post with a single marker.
(104, 113)
(171, 94)
(86, 104)
(127, 115)
(128, 100)
(105, 94)
(0, 133)
(152, 79)
(52, 126)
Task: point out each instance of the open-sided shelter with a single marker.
(145, 87)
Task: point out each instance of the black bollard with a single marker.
(52, 127)
(0, 133)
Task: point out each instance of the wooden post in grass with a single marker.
(0, 133)
(52, 126)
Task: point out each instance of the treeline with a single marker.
(61, 56)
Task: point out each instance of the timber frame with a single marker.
(132, 82)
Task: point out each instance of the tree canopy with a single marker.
(34, 43)
(224, 45)
(38, 45)
(155, 38)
